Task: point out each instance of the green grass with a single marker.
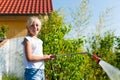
(10, 77)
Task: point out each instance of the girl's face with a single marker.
(34, 29)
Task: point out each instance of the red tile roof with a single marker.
(8, 7)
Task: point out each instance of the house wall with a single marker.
(16, 25)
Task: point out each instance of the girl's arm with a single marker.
(30, 57)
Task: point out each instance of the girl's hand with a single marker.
(49, 57)
(52, 56)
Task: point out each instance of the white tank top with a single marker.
(37, 50)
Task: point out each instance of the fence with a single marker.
(11, 57)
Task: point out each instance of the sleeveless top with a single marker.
(37, 50)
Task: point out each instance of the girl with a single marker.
(33, 57)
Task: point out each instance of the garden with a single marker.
(56, 35)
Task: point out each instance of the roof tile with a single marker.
(25, 7)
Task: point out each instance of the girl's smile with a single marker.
(34, 29)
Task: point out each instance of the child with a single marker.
(33, 57)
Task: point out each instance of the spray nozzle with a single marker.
(96, 58)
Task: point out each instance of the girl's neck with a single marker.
(33, 36)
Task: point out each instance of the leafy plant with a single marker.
(102, 44)
(80, 17)
(75, 67)
(52, 33)
(117, 51)
(3, 30)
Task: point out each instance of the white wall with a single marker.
(11, 57)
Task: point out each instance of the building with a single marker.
(14, 13)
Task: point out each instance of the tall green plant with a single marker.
(80, 17)
(102, 44)
(62, 68)
(103, 47)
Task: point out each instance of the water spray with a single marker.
(112, 72)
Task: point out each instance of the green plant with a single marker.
(80, 18)
(76, 67)
(117, 51)
(52, 34)
(102, 44)
(3, 30)
(10, 77)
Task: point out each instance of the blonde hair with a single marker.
(33, 19)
